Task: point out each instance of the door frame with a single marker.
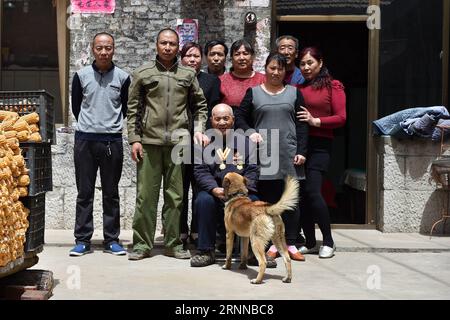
(445, 52)
(372, 169)
(1, 32)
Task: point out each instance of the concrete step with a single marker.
(347, 240)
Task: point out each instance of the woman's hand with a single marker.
(306, 116)
(256, 137)
(299, 160)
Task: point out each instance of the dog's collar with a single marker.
(237, 194)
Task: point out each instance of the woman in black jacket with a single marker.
(191, 56)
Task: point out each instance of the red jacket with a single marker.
(327, 105)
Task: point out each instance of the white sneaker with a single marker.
(305, 250)
(326, 252)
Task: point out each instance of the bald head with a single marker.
(222, 108)
(222, 118)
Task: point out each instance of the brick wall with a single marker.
(409, 201)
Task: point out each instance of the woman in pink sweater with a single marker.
(234, 84)
(324, 111)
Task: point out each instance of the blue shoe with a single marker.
(79, 250)
(115, 249)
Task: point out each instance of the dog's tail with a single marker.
(289, 199)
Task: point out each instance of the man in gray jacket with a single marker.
(99, 104)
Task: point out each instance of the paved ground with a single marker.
(368, 265)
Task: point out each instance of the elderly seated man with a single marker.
(229, 151)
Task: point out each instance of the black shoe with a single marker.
(270, 262)
(203, 259)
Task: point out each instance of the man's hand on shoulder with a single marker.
(201, 139)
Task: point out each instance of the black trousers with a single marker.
(271, 191)
(88, 157)
(313, 206)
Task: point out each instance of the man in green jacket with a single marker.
(157, 108)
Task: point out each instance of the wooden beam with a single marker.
(273, 24)
(322, 18)
(445, 53)
(1, 31)
(63, 57)
(372, 169)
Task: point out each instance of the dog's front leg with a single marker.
(230, 241)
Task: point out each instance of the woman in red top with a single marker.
(234, 84)
(325, 111)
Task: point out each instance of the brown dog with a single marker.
(260, 221)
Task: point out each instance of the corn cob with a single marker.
(13, 143)
(23, 191)
(23, 135)
(4, 114)
(10, 134)
(7, 124)
(17, 172)
(21, 125)
(23, 181)
(35, 137)
(31, 118)
(34, 128)
(20, 160)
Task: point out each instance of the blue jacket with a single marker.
(399, 124)
(297, 77)
(209, 175)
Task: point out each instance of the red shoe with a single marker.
(272, 254)
(296, 256)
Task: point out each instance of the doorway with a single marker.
(345, 48)
(29, 48)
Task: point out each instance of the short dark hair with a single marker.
(168, 29)
(278, 40)
(213, 43)
(103, 33)
(241, 42)
(278, 57)
(188, 45)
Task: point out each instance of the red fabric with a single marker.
(328, 106)
(233, 89)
